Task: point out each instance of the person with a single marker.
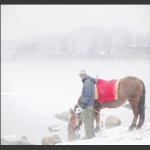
(87, 102)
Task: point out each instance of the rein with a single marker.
(73, 122)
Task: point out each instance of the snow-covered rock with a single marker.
(63, 115)
(51, 140)
(15, 139)
(112, 121)
(55, 128)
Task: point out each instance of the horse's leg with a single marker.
(142, 107)
(141, 119)
(97, 118)
(135, 110)
(97, 108)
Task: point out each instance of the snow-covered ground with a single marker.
(117, 136)
(32, 93)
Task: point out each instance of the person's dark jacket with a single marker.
(87, 97)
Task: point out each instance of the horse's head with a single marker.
(73, 122)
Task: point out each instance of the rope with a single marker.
(93, 110)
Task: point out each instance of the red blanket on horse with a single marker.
(107, 90)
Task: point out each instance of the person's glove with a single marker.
(78, 110)
(84, 105)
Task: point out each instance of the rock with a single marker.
(112, 121)
(55, 128)
(51, 140)
(15, 139)
(137, 138)
(63, 115)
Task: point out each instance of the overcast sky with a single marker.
(20, 21)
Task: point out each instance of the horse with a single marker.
(131, 89)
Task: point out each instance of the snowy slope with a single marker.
(118, 136)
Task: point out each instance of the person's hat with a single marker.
(82, 73)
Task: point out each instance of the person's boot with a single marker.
(87, 137)
(93, 133)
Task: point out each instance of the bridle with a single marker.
(73, 122)
(69, 120)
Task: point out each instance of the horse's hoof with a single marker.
(130, 129)
(138, 127)
(96, 130)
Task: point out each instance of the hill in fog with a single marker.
(80, 40)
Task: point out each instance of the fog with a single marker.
(43, 49)
(23, 21)
(33, 92)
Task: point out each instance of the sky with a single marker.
(21, 21)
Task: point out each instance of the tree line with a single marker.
(96, 44)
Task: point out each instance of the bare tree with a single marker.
(138, 39)
(126, 41)
(93, 47)
(64, 45)
(73, 44)
(148, 39)
(108, 42)
(30, 50)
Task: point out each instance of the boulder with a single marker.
(112, 121)
(63, 115)
(55, 128)
(15, 139)
(51, 140)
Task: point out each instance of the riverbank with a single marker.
(117, 136)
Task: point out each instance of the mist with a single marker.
(23, 21)
(40, 62)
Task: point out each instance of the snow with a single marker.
(117, 136)
(39, 90)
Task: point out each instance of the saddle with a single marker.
(106, 90)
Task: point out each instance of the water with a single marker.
(32, 93)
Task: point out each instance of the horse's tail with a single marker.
(142, 102)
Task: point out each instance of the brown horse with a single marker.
(131, 89)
